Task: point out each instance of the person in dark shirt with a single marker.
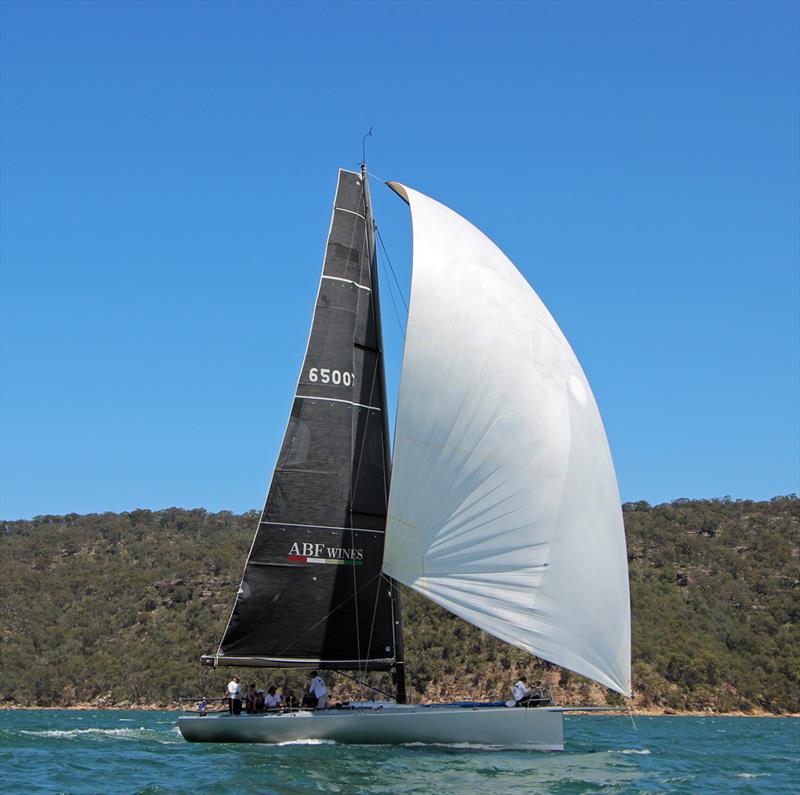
(250, 703)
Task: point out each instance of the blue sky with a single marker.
(166, 180)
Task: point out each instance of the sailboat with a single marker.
(499, 502)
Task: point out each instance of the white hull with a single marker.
(538, 729)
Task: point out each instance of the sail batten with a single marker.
(312, 592)
(504, 506)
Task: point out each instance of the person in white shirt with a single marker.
(317, 688)
(233, 693)
(272, 700)
(520, 691)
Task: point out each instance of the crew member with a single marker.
(317, 688)
(520, 692)
(233, 692)
(272, 700)
(250, 703)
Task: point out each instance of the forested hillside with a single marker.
(117, 608)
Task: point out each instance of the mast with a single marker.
(399, 675)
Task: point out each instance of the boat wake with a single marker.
(307, 742)
(638, 751)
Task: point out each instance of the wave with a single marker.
(141, 733)
(72, 733)
(638, 751)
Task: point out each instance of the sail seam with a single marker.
(348, 281)
(337, 400)
(352, 212)
(323, 527)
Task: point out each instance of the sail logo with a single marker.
(322, 553)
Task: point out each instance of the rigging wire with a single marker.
(365, 684)
(394, 275)
(380, 179)
(327, 615)
(352, 496)
(391, 290)
(397, 315)
(372, 625)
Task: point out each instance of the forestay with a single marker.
(504, 506)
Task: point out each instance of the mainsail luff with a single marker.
(312, 592)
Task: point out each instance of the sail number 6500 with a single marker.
(326, 376)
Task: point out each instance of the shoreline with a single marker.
(636, 712)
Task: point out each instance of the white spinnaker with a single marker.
(504, 506)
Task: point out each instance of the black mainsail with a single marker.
(312, 592)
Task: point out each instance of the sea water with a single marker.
(43, 751)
